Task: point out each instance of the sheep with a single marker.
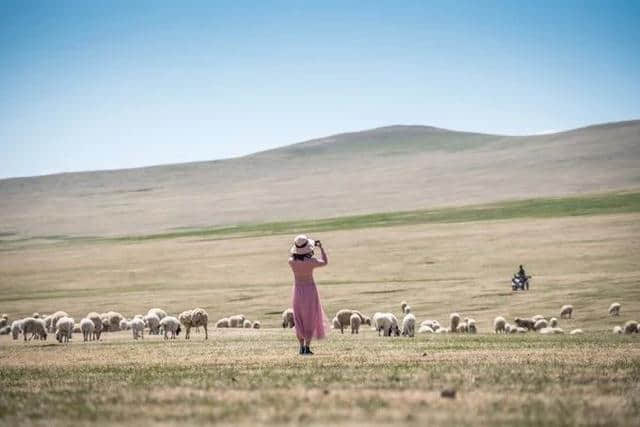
(35, 327)
(409, 325)
(246, 324)
(520, 330)
(471, 326)
(576, 332)
(407, 310)
(152, 321)
(54, 319)
(553, 322)
(354, 322)
(548, 330)
(115, 319)
(223, 323)
(287, 318)
(454, 321)
(442, 331)
(462, 328)
(538, 317)
(256, 324)
(160, 313)
(614, 309)
(403, 304)
(124, 325)
(16, 328)
(540, 324)
(5, 331)
(630, 327)
(47, 322)
(335, 323)
(387, 323)
(194, 319)
(236, 321)
(499, 325)
(344, 318)
(524, 323)
(87, 327)
(137, 328)
(425, 329)
(566, 311)
(433, 324)
(507, 329)
(64, 329)
(617, 329)
(97, 325)
(4, 321)
(170, 324)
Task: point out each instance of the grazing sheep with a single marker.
(355, 321)
(409, 325)
(287, 318)
(630, 327)
(407, 310)
(256, 324)
(617, 329)
(542, 323)
(553, 322)
(499, 325)
(614, 309)
(344, 318)
(246, 324)
(54, 319)
(194, 319)
(524, 323)
(152, 321)
(387, 323)
(462, 328)
(223, 323)
(104, 318)
(97, 325)
(35, 327)
(16, 328)
(454, 321)
(576, 332)
(566, 311)
(365, 320)
(335, 323)
(5, 331)
(64, 329)
(124, 325)
(472, 328)
(114, 320)
(236, 321)
(170, 324)
(425, 329)
(160, 313)
(403, 304)
(87, 327)
(137, 328)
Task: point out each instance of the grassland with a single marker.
(582, 251)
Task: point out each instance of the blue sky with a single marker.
(116, 84)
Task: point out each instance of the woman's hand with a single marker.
(318, 243)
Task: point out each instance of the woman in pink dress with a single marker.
(308, 315)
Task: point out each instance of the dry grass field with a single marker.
(249, 377)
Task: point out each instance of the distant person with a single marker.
(523, 278)
(310, 320)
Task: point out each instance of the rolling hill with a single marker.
(380, 170)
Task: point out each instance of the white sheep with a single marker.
(152, 321)
(137, 328)
(344, 318)
(236, 321)
(16, 329)
(287, 318)
(97, 325)
(499, 324)
(454, 321)
(553, 322)
(433, 324)
(425, 329)
(35, 327)
(566, 311)
(617, 329)
(614, 309)
(256, 324)
(540, 324)
(576, 332)
(170, 324)
(54, 319)
(630, 327)
(47, 322)
(114, 320)
(124, 325)
(194, 319)
(246, 324)
(355, 321)
(64, 329)
(386, 323)
(409, 325)
(160, 313)
(472, 328)
(223, 323)
(87, 327)
(548, 330)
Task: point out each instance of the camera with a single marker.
(318, 243)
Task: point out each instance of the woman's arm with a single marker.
(325, 260)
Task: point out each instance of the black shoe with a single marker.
(302, 349)
(308, 351)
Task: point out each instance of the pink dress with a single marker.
(308, 315)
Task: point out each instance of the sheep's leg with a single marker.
(206, 333)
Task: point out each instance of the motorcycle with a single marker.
(520, 283)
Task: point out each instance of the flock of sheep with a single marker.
(157, 322)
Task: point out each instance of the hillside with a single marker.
(380, 170)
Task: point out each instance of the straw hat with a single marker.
(302, 245)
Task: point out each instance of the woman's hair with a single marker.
(297, 257)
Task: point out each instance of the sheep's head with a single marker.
(367, 321)
(396, 330)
